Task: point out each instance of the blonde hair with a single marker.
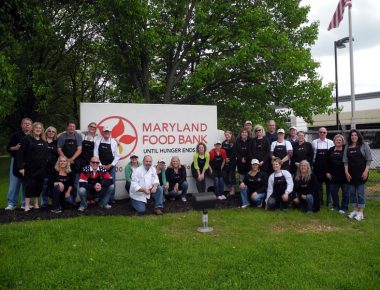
(34, 125)
(171, 161)
(341, 137)
(308, 173)
(57, 168)
(51, 128)
(258, 126)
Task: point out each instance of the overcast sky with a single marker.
(365, 16)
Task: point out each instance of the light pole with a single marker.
(338, 44)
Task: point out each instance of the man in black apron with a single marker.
(282, 149)
(321, 147)
(88, 145)
(106, 148)
(70, 146)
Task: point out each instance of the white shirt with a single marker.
(321, 144)
(114, 148)
(288, 178)
(141, 178)
(285, 143)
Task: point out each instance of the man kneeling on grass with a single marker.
(95, 183)
(145, 183)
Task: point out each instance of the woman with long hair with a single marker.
(243, 153)
(305, 191)
(261, 148)
(33, 157)
(229, 169)
(200, 165)
(61, 185)
(357, 159)
(176, 176)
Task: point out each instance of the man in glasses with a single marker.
(95, 183)
(321, 147)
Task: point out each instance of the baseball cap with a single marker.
(161, 160)
(133, 155)
(295, 128)
(106, 128)
(255, 161)
(247, 122)
(218, 142)
(281, 131)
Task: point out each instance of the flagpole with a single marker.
(353, 122)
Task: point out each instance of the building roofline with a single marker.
(365, 96)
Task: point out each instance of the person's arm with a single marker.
(195, 160)
(309, 152)
(163, 170)
(314, 145)
(106, 178)
(116, 154)
(289, 150)
(128, 172)
(270, 187)
(263, 187)
(207, 163)
(368, 158)
(135, 185)
(183, 174)
(289, 181)
(96, 146)
(21, 155)
(13, 145)
(271, 156)
(79, 140)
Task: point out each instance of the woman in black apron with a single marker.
(243, 153)
(200, 165)
(357, 160)
(229, 169)
(335, 174)
(88, 144)
(302, 150)
(32, 160)
(217, 160)
(305, 192)
(280, 185)
(282, 149)
(261, 148)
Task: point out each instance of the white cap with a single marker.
(255, 161)
(161, 160)
(281, 131)
(106, 128)
(218, 142)
(247, 122)
(295, 128)
(133, 154)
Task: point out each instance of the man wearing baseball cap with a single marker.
(282, 149)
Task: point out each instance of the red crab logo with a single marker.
(123, 131)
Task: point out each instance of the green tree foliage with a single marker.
(246, 57)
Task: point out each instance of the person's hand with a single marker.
(297, 164)
(60, 185)
(108, 166)
(227, 160)
(243, 160)
(365, 174)
(22, 172)
(97, 187)
(200, 177)
(242, 185)
(348, 177)
(154, 189)
(328, 175)
(261, 163)
(253, 195)
(16, 147)
(176, 187)
(166, 187)
(303, 197)
(71, 161)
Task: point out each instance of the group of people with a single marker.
(274, 172)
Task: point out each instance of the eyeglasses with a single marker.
(50, 131)
(95, 162)
(322, 132)
(258, 130)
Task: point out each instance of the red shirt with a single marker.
(221, 152)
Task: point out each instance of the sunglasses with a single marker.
(95, 162)
(49, 131)
(258, 130)
(93, 127)
(322, 132)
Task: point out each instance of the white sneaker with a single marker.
(107, 206)
(183, 199)
(342, 211)
(10, 207)
(223, 196)
(359, 216)
(82, 208)
(244, 206)
(352, 214)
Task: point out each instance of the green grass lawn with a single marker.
(249, 249)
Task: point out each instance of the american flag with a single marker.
(338, 15)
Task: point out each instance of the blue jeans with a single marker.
(218, 185)
(246, 197)
(14, 187)
(44, 196)
(334, 188)
(357, 196)
(184, 186)
(104, 196)
(113, 175)
(140, 206)
(328, 192)
(309, 202)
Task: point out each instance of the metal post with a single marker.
(353, 122)
(336, 86)
(205, 228)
